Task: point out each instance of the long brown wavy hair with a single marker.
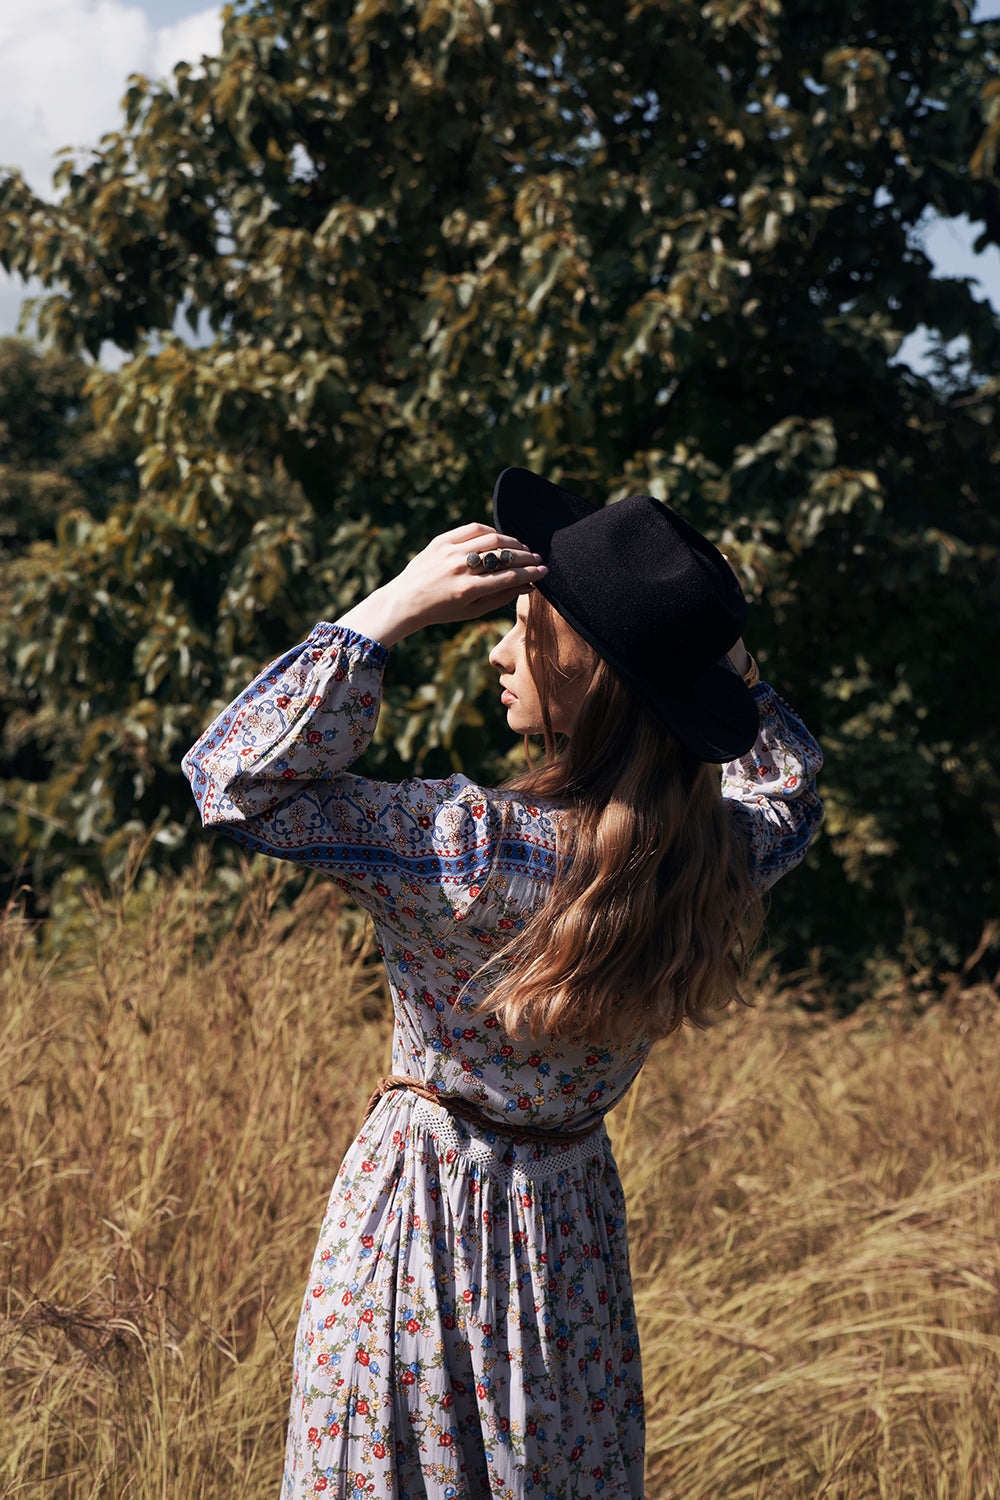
(652, 915)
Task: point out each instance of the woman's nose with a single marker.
(499, 657)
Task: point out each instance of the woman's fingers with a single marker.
(483, 538)
(500, 559)
(501, 589)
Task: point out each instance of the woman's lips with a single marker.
(507, 696)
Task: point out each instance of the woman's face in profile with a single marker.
(571, 672)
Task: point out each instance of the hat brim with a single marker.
(715, 716)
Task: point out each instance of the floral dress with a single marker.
(468, 1329)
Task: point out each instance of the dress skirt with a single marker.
(468, 1332)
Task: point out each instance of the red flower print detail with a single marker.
(562, 1344)
(367, 1315)
(534, 1060)
(339, 675)
(506, 1050)
(424, 821)
(602, 1296)
(505, 923)
(363, 1408)
(289, 775)
(598, 1472)
(466, 1295)
(438, 952)
(317, 1291)
(484, 938)
(363, 1356)
(627, 1357)
(791, 781)
(569, 1088)
(334, 1429)
(314, 1436)
(575, 1453)
(491, 1021)
(592, 1061)
(367, 1240)
(412, 1326)
(366, 700)
(379, 1450)
(407, 1377)
(532, 1428)
(283, 701)
(314, 736)
(367, 1166)
(469, 1034)
(310, 1338)
(326, 1255)
(409, 912)
(474, 890)
(383, 890)
(503, 1424)
(323, 1359)
(597, 1405)
(445, 1439)
(593, 1096)
(321, 1483)
(448, 1320)
(524, 1102)
(408, 955)
(462, 974)
(330, 1319)
(347, 1299)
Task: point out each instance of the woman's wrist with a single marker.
(741, 659)
(383, 616)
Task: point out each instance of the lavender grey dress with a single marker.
(468, 1329)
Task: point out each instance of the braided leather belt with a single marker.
(464, 1109)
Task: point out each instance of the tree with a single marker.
(667, 247)
(54, 466)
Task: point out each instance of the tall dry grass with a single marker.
(814, 1215)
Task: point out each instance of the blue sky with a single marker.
(63, 66)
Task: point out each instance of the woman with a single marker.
(468, 1329)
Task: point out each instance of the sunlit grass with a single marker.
(814, 1210)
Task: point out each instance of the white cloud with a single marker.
(63, 71)
(64, 65)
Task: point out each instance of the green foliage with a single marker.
(664, 246)
(55, 466)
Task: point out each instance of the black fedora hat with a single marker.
(652, 596)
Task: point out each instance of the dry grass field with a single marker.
(815, 1208)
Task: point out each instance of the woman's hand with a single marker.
(438, 586)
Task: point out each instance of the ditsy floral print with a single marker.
(468, 1330)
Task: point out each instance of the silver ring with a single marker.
(473, 560)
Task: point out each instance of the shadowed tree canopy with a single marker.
(662, 246)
